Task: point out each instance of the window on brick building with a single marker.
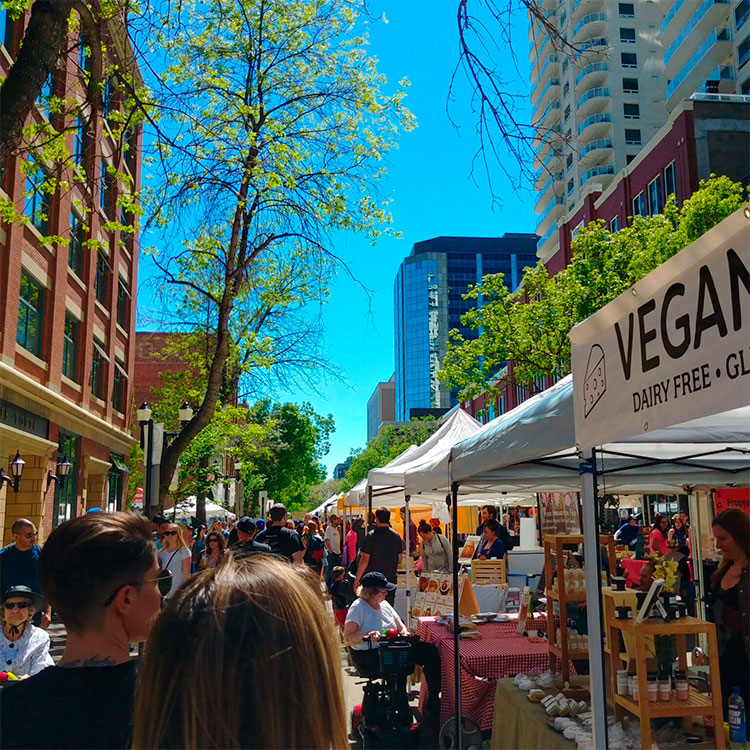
(98, 358)
(639, 205)
(101, 278)
(75, 246)
(30, 314)
(118, 386)
(70, 346)
(655, 197)
(36, 203)
(614, 224)
(123, 299)
(670, 186)
(106, 190)
(81, 142)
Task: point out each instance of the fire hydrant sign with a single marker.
(675, 347)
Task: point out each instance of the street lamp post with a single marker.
(16, 471)
(144, 416)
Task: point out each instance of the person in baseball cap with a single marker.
(246, 544)
(376, 580)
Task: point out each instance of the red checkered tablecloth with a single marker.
(430, 630)
(483, 662)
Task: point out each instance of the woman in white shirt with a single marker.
(371, 615)
(175, 557)
(24, 648)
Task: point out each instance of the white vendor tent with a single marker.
(358, 495)
(188, 509)
(327, 507)
(532, 447)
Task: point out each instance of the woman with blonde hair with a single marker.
(174, 556)
(259, 623)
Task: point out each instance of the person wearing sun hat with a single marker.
(24, 648)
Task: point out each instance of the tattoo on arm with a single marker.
(94, 661)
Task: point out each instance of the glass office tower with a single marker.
(428, 304)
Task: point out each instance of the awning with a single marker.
(117, 463)
(99, 348)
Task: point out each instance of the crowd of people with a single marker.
(243, 601)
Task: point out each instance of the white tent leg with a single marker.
(594, 600)
(407, 520)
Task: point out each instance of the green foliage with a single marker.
(391, 441)
(47, 134)
(530, 326)
(295, 438)
(319, 493)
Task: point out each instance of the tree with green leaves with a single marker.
(529, 327)
(319, 493)
(278, 123)
(390, 442)
(296, 439)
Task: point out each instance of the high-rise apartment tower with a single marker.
(706, 48)
(597, 96)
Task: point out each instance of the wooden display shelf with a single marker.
(557, 651)
(697, 704)
(553, 546)
(578, 597)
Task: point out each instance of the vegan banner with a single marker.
(675, 347)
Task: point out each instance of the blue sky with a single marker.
(433, 193)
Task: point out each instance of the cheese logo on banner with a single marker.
(673, 348)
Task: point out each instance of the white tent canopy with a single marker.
(357, 495)
(532, 447)
(188, 508)
(325, 507)
(427, 466)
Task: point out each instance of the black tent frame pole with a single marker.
(456, 618)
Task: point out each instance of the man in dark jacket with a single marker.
(490, 511)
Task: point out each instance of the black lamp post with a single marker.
(16, 471)
(63, 469)
(144, 417)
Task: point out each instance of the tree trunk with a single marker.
(44, 42)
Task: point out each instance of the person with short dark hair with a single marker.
(100, 573)
(410, 539)
(338, 595)
(628, 533)
(281, 540)
(246, 544)
(19, 565)
(381, 552)
(437, 554)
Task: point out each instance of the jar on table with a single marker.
(622, 682)
(681, 684)
(665, 688)
(653, 687)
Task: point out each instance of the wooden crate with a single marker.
(485, 572)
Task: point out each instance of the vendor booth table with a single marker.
(501, 652)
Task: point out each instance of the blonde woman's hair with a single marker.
(260, 624)
(180, 538)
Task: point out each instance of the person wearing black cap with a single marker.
(246, 544)
(24, 648)
(628, 532)
(370, 615)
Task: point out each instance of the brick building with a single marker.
(709, 133)
(67, 312)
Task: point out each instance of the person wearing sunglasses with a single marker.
(19, 565)
(174, 556)
(101, 575)
(24, 648)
